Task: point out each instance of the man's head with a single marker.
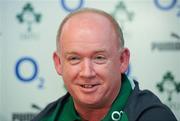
(114, 23)
(91, 58)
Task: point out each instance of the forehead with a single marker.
(89, 19)
(87, 29)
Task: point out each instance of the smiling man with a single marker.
(92, 60)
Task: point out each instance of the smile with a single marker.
(88, 85)
(89, 88)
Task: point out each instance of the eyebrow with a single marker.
(76, 53)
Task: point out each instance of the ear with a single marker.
(57, 63)
(124, 59)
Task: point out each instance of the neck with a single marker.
(92, 114)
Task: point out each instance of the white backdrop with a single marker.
(28, 81)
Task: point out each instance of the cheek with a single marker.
(68, 75)
(114, 66)
(110, 71)
(69, 72)
(105, 71)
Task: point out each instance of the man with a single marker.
(92, 60)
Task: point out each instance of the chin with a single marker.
(90, 101)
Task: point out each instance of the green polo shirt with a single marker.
(68, 112)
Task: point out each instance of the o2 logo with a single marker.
(116, 115)
(26, 70)
(170, 5)
(27, 63)
(67, 7)
(164, 5)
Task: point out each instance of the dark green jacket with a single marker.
(141, 106)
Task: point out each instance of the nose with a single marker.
(87, 69)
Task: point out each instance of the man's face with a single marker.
(90, 60)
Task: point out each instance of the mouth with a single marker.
(88, 85)
(89, 88)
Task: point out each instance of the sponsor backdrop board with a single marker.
(28, 80)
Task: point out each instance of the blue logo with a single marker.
(166, 6)
(20, 75)
(170, 5)
(67, 7)
(26, 70)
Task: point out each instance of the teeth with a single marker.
(87, 86)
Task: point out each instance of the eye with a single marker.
(100, 59)
(73, 59)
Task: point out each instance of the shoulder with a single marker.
(49, 109)
(158, 113)
(143, 105)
